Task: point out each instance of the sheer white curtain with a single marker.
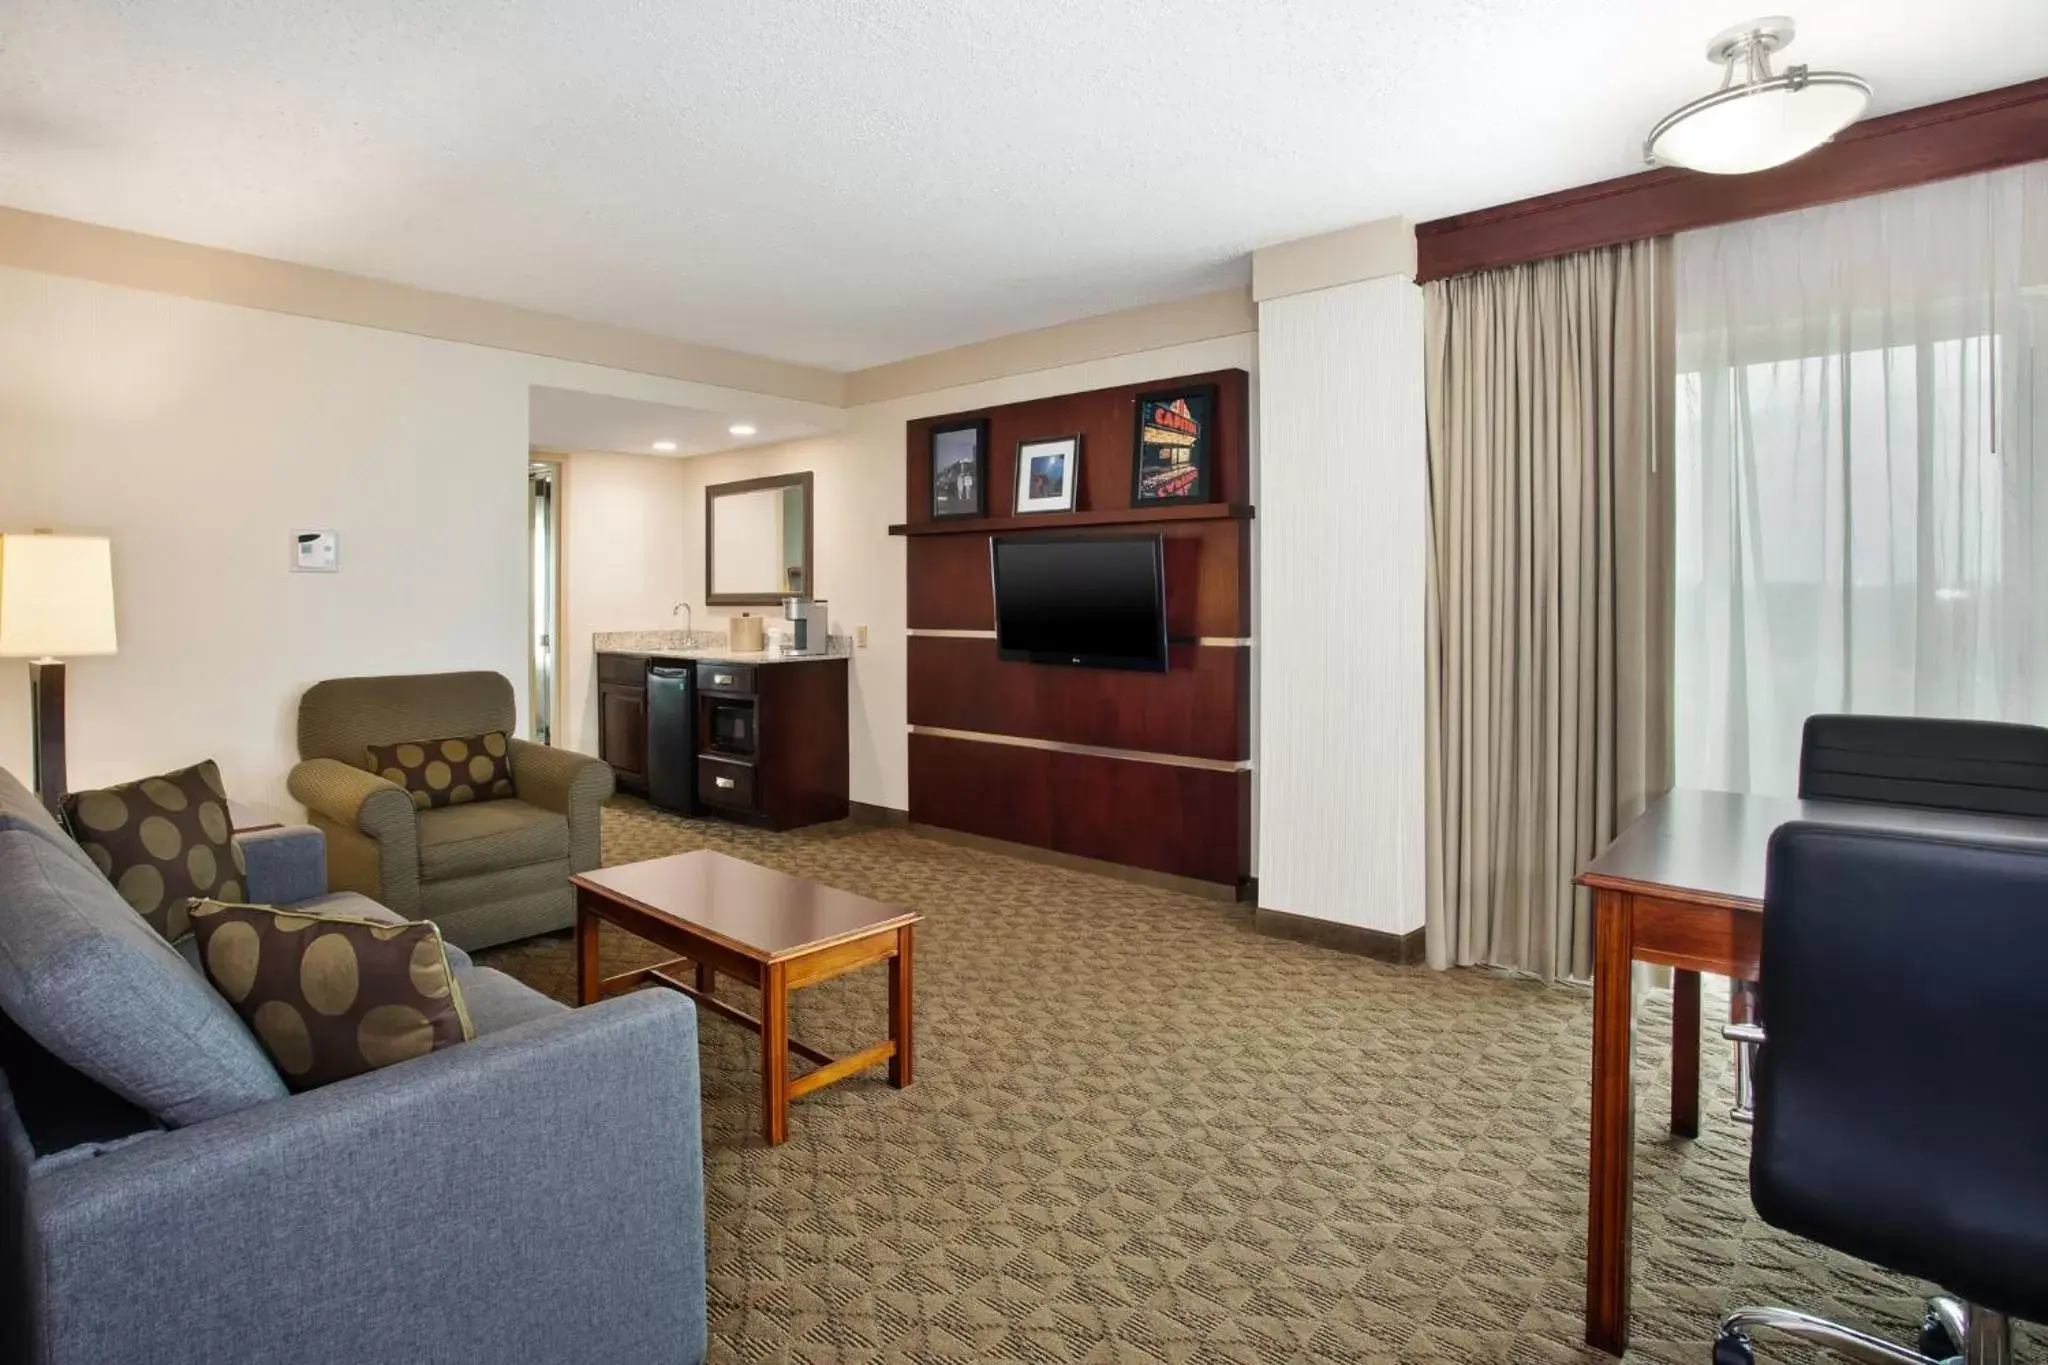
(1862, 484)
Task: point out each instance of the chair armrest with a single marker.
(283, 866)
(469, 1205)
(352, 798)
(570, 784)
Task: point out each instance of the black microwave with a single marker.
(729, 726)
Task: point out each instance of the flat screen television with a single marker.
(1092, 603)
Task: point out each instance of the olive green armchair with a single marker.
(486, 872)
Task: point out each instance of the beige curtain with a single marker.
(1549, 593)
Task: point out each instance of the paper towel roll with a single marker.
(743, 634)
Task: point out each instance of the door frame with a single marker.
(557, 469)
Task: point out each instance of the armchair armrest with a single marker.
(570, 784)
(470, 1205)
(352, 797)
(283, 866)
(372, 829)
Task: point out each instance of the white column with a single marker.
(1342, 517)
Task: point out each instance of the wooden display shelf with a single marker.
(1052, 521)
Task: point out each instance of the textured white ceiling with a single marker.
(847, 182)
(571, 420)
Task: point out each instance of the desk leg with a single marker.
(1685, 1053)
(900, 1010)
(775, 1054)
(1611, 1187)
(586, 950)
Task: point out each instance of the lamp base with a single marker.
(46, 731)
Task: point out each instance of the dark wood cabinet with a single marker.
(622, 718)
(773, 741)
(768, 741)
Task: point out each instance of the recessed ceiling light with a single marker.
(664, 446)
(741, 429)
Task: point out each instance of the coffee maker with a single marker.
(806, 617)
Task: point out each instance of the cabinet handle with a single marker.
(724, 783)
(721, 679)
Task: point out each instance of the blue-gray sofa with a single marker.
(533, 1195)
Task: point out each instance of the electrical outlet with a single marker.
(860, 637)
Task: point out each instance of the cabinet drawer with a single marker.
(630, 669)
(722, 782)
(731, 680)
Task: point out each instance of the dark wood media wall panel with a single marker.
(1191, 822)
(1196, 709)
(1168, 796)
(1208, 578)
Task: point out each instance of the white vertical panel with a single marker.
(1342, 503)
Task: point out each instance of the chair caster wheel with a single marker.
(1935, 1342)
(1733, 1348)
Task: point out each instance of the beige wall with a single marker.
(625, 531)
(199, 435)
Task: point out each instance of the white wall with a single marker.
(199, 436)
(1342, 522)
(625, 536)
(859, 486)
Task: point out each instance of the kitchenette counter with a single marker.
(699, 728)
(697, 646)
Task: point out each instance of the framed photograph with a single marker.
(1047, 472)
(960, 469)
(1171, 450)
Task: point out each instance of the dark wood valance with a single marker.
(1983, 132)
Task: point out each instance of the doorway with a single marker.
(544, 523)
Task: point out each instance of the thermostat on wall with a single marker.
(315, 552)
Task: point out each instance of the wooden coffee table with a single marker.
(773, 932)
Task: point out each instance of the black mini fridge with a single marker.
(672, 736)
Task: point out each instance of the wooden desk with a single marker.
(1683, 887)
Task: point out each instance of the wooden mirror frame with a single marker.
(712, 493)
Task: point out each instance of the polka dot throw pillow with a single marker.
(161, 841)
(331, 996)
(447, 772)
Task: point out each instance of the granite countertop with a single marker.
(704, 646)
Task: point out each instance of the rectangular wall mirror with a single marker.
(757, 541)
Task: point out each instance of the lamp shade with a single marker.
(56, 596)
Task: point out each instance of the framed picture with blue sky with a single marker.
(959, 452)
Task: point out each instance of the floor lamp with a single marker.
(56, 602)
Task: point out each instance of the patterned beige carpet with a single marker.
(1141, 1132)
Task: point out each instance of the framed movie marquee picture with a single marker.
(1173, 443)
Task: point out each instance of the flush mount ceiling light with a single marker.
(664, 446)
(1763, 119)
(741, 429)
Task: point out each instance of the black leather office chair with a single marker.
(1890, 959)
(1974, 765)
(1989, 767)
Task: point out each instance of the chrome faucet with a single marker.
(689, 621)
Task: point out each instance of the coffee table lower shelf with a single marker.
(775, 979)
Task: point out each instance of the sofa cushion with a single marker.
(457, 841)
(161, 841)
(446, 772)
(497, 1001)
(332, 996)
(85, 977)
